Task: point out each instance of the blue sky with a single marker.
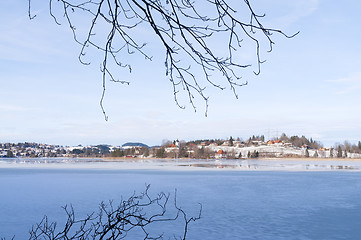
(309, 85)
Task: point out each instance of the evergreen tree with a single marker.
(160, 153)
(231, 141)
(339, 152)
(307, 154)
(9, 154)
(331, 152)
(255, 154)
(315, 155)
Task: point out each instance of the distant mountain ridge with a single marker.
(134, 144)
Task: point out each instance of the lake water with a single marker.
(237, 204)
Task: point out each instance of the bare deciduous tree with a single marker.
(196, 36)
(138, 214)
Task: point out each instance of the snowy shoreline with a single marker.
(268, 164)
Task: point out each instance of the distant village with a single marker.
(254, 147)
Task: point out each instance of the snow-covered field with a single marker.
(277, 151)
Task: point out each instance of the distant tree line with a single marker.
(346, 146)
(256, 138)
(94, 151)
(300, 141)
(131, 152)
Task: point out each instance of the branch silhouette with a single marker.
(185, 29)
(138, 214)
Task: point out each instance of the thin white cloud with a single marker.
(348, 84)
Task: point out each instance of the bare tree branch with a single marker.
(137, 213)
(187, 31)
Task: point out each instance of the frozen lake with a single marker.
(241, 199)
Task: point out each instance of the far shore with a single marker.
(132, 159)
(209, 159)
